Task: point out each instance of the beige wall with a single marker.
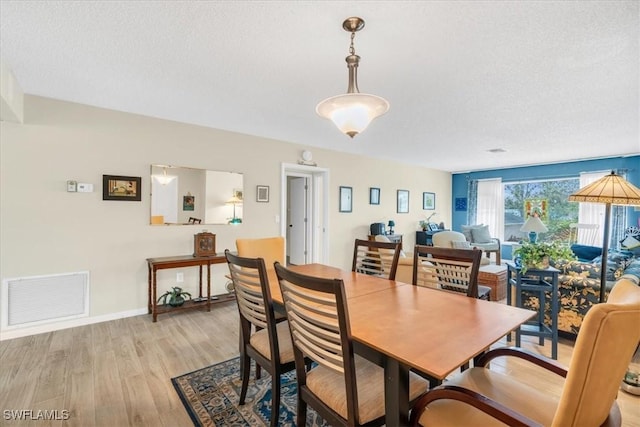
(45, 230)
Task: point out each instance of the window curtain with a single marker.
(490, 206)
(472, 200)
(591, 213)
(618, 219)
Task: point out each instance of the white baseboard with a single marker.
(56, 326)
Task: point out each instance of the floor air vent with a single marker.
(28, 301)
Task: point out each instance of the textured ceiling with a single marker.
(545, 81)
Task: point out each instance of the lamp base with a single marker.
(533, 236)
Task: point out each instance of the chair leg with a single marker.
(258, 371)
(275, 398)
(301, 419)
(245, 368)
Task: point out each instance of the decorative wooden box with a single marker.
(494, 276)
(204, 244)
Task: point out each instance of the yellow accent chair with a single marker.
(271, 249)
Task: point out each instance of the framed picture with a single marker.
(374, 196)
(188, 203)
(346, 199)
(403, 201)
(461, 204)
(428, 201)
(262, 193)
(116, 187)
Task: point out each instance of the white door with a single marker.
(297, 220)
(315, 208)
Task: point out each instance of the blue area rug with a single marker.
(211, 397)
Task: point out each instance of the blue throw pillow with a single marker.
(586, 253)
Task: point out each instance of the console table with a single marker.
(541, 282)
(181, 261)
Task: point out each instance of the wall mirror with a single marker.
(186, 196)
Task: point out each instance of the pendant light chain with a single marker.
(352, 49)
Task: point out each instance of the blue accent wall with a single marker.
(556, 170)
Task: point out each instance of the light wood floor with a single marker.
(118, 373)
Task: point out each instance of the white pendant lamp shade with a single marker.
(352, 112)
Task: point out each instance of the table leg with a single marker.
(509, 296)
(154, 297)
(396, 393)
(149, 290)
(200, 281)
(208, 286)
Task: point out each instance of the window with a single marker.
(547, 198)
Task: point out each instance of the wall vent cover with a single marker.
(30, 301)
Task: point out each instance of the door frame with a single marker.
(317, 245)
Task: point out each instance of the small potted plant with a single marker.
(176, 297)
(538, 255)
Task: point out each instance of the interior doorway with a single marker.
(304, 213)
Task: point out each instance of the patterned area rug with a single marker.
(211, 397)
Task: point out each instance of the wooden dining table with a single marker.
(403, 327)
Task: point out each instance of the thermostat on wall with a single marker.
(85, 188)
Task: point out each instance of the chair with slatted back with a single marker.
(584, 234)
(343, 388)
(449, 269)
(193, 220)
(376, 258)
(261, 338)
(605, 344)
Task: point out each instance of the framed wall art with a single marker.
(403, 201)
(262, 193)
(188, 202)
(374, 196)
(126, 188)
(346, 199)
(428, 201)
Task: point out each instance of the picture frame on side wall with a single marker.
(346, 199)
(374, 196)
(428, 201)
(124, 188)
(403, 201)
(262, 193)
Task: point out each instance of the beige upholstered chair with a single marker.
(455, 240)
(261, 337)
(404, 272)
(343, 388)
(479, 237)
(604, 346)
(271, 249)
(377, 258)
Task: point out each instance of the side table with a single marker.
(541, 282)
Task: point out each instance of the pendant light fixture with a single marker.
(353, 111)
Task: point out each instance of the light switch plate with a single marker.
(72, 186)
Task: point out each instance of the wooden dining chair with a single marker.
(376, 258)
(345, 389)
(449, 269)
(193, 220)
(605, 344)
(261, 338)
